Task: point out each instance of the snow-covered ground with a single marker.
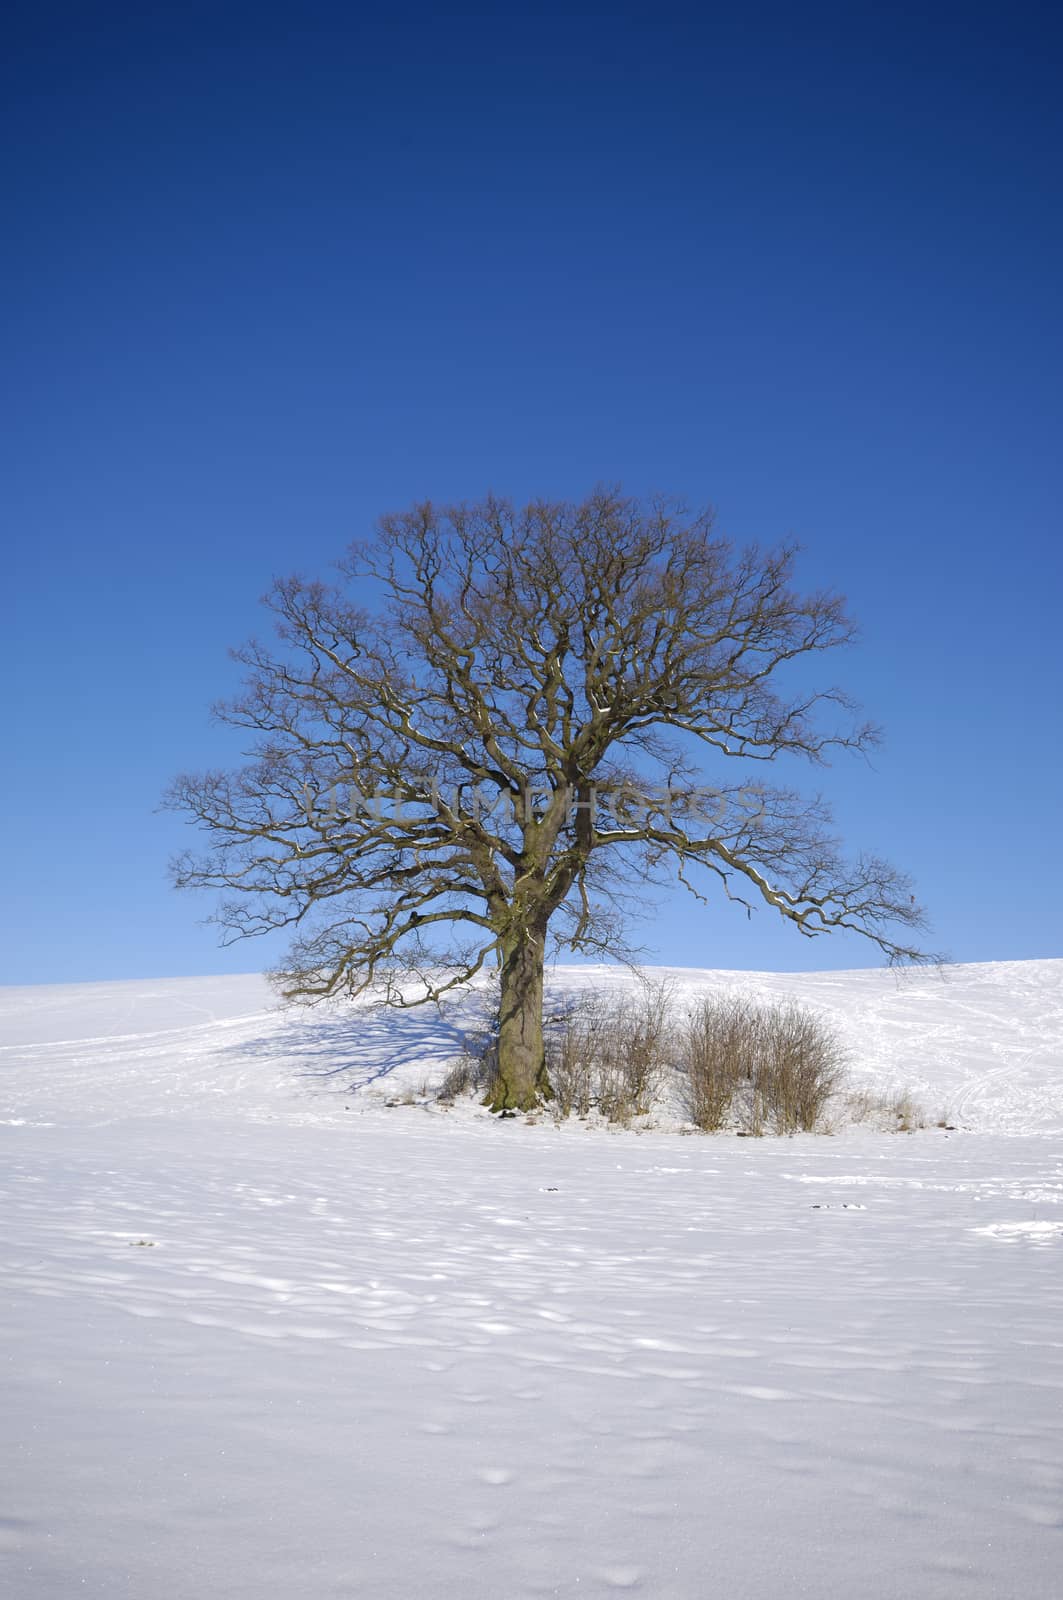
(264, 1336)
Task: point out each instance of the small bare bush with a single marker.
(473, 1072)
(610, 1054)
(896, 1111)
(463, 1076)
(907, 1113)
(862, 1105)
(634, 1050)
(722, 1050)
(570, 1057)
(804, 1067)
(760, 1066)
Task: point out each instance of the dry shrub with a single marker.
(609, 1053)
(804, 1068)
(463, 1076)
(721, 1048)
(569, 1057)
(474, 1071)
(759, 1065)
(863, 1105)
(895, 1111)
(906, 1112)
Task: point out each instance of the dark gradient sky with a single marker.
(270, 271)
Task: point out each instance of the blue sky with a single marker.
(271, 271)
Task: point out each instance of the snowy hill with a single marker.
(984, 1042)
(264, 1336)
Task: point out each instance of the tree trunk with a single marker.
(522, 1081)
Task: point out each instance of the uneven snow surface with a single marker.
(264, 1336)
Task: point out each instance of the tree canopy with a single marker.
(502, 725)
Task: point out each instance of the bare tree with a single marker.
(498, 744)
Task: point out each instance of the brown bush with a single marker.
(610, 1053)
(890, 1111)
(722, 1049)
(474, 1071)
(805, 1066)
(759, 1065)
(570, 1055)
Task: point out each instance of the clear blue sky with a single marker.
(270, 271)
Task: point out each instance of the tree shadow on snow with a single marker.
(340, 1052)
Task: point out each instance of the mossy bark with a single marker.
(522, 1082)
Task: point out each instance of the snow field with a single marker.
(263, 1335)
